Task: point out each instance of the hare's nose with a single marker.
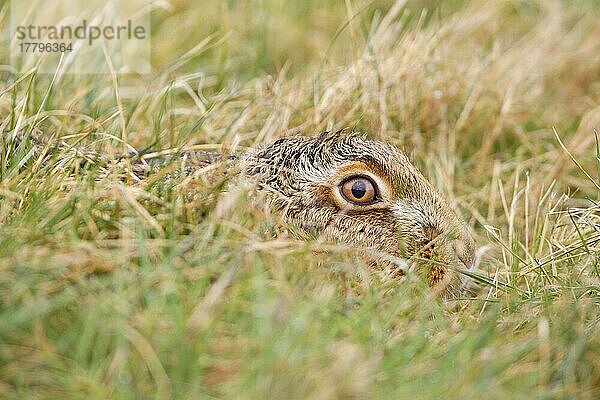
(465, 253)
(466, 261)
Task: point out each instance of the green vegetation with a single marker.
(125, 289)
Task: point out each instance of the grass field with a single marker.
(122, 289)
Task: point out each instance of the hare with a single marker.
(344, 188)
(363, 192)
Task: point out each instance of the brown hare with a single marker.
(345, 188)
(367, 193)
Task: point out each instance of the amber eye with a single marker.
(359, 190)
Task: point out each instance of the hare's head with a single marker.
(367, 193)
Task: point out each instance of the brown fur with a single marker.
(411, 220)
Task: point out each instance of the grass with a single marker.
(177, 288)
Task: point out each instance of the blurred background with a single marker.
(258, 37)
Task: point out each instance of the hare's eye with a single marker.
(359, 190)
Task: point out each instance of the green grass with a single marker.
(177, 288)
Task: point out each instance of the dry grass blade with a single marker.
(574, 159)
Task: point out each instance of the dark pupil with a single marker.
(359, 189)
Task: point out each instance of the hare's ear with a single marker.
(189, 157)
